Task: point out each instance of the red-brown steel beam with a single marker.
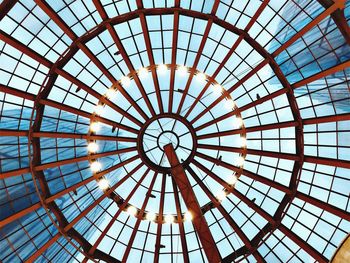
(189, 197)
(265, 127)
(247, 173)
(85, 114)
(230, 90)
(151, 59)
(243, 108)
(24, 49)
(67, 30)
(323, 119)
(180, 222)
(322, 74)
(16, 92)
(19, 214)
(99, 200)
(325, 206)
(223, 211)
(90, 179)
(309, 199)
(17, 133)
(43, 248)
(97, 95)
(339, 18)
(331, 118)
(281, 155)
(16, 172)
(6, 6)
(128, 63)
(160, 220)
(123, 53)
(75, 136)
(198, 55)
(41, 167)
(327, 161)
(336, 5)
(139, 217)
(303, 244)
(67, 108)
(260, 211)
(228, 55)
(173, 56)
(112, 221)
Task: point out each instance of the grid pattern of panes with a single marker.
(313, 207)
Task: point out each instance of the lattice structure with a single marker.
(174, 131)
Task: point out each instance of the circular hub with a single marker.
(162, 130)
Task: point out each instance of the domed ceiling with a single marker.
(174, 131)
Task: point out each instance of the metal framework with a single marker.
(213, 151)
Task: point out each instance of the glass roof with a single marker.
(253, 96)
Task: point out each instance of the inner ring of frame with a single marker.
(144, 152)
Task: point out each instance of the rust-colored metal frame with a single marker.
(332, 8)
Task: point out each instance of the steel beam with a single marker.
(122, 207)
(44, 166)
(97, 95)
(17, 133)
(336, 5)
(230, 90)
(324, 206)
(189, 197)
(303, 244)
(6, 6)
(243, 108)
(17, 92)
(151, 59)
(43, 248)
(180, 222)
(265, 127)
(16, 172)
(173, 59)
(24, 49)
(198, 55)
(228, 55)
(280, 155)
(95, 176)
(323, 119)
(73, 136)
(139, 217)
(99, 200)
(250, 248)
(160, 220)
(19, 214)
(342, 66)
(327, 161)
(339, 18)
(85, 114)
(247, 173)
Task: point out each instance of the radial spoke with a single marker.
(107, 193)
(198, 56)
(160, 220)
(44, 166)
(90, 179)
(19, 214)
(137, 224)
(228, 56)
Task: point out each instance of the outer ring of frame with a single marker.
(144, 156)
(47, 86)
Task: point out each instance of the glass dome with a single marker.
(174, 131)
